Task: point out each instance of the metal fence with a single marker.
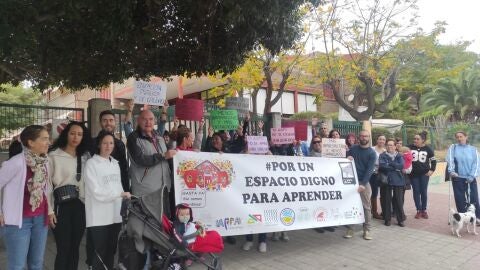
(15, 117)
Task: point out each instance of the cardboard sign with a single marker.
(244, 194)
(189, 109)
(224, 119)
(149, 93)
(240, 104)
(257, 144)
(301, 128)
(334, 148)
(282, 135)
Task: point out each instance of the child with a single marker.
(192, 234)
(408, 158)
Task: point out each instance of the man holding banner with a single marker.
(364, 157)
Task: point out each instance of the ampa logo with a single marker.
(228, 222)
(254, 218)
(287, 216)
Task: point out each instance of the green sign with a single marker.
(224, 119)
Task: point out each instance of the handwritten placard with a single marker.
(257, 144)
(224, 119)
(333, 148)
(301, 128)
(282, 135)
(189, 109)
(149, 93)
(240, 104)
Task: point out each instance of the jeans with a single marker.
(460, 188)
(262, 237)
(26, 244)
(419, 187)
(374, 185)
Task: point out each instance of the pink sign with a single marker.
(257, 144)
(301, 128)
(189, 109)
(282, 135)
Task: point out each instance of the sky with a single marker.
(462, 17)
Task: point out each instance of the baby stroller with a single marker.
(147, 227)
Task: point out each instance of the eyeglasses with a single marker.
(315, 142)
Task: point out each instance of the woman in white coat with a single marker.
(103, 199)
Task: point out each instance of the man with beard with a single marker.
(364, 157)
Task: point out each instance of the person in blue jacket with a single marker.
(464, 165)
(391, 163)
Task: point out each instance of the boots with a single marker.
(374, 209)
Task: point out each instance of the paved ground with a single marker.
(422, 244)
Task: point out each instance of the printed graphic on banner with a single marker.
(241, 194)
(282, 135)
(149, 93)
(257, 144)
(335, 148)
(224, 119)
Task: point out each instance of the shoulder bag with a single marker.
(69, 193)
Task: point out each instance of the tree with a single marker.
(91, 43)
(359, 41)
(458, 97)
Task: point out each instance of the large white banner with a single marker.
(241, 194)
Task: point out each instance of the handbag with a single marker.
(382, 178)
(69, 193)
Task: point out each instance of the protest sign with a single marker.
(335, 148)
(189, 109)
(244, 194)
(257, 144)
(224, 119)
(301, 128)
(282, 135)
(240, 104)
(149, 93)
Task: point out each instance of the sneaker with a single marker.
(401, 224)
(418, 215)
(424, 214)
(367, 235)
(262, 247)
(247, 246)
(188, 262)
(348, 234)
(284, 237)
(275, 236)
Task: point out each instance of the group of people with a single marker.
(78, 182)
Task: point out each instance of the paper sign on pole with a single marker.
(246, 194)
(240, 104)
(282, 135)
(224, 119)
(257, 144)
(149, 93)
(335, 148)
(189, 109)
(301, 128)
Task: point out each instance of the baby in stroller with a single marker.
(193, 234)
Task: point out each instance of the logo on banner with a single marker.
(335, 214)
(303, 214)
(254, 218)
(270, 216)
(355, 213)
(320, 215)
(287, 216)
(229, 223)
(210, 175)
(348, 175)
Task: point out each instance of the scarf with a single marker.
(38, 165)
(392, 155)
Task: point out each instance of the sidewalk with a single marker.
(422, 244)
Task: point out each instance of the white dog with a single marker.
(457, 220)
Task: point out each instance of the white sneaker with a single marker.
(262, 247)
(284, 237)
(247, 246)
(348, 234)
